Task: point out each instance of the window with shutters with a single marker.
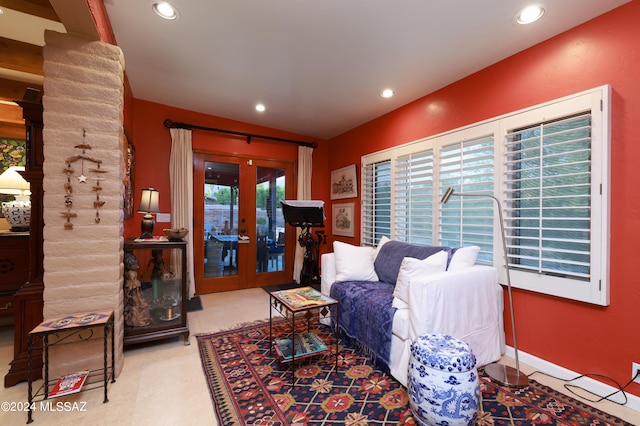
(413, 197)
(468, 167)
(548, 197)
(548, 166)
(376, 202)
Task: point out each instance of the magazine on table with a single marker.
(68, 384)
(306, 344)
(300, 297)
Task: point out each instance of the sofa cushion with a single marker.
(401, 324)
(354, 263)
(387, 262)
(413, 269)
(464, 257)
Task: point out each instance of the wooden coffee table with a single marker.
(301, 303)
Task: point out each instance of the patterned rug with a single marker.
(249, 387)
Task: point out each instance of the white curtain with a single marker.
(181, 179)
(305, 165)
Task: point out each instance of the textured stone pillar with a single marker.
(83, 269)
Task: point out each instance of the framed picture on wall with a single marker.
(343, 219)
(129, 164)
(344, 183)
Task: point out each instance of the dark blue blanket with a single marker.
(370, 325)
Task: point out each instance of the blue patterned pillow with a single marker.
(389, 258)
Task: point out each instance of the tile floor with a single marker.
(162, 382)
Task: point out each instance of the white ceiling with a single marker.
(319, 65)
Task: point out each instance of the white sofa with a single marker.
(466, 303)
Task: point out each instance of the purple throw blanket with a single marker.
(370, 325)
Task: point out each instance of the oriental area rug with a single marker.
(249, 386)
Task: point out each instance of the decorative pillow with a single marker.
(391, 254)
(413, 269)
(463, 258)
(383, 241)
(354, 263)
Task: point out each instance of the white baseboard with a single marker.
(591, 385)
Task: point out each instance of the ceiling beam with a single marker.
(12, 131)
(76, 17)
(11, 113)
(41, 8)
(20, 56)
(12, 90)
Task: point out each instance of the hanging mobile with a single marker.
(97, 188)
(68, 197)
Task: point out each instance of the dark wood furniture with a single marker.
(72, 329)
(28, 301)
(14, 270)
(166, 296)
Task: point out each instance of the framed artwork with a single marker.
(129, 164)
(12, 153)
(343, 219)
(344, 183)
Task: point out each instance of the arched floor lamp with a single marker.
(500, 373)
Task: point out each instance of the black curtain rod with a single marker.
(173, 125)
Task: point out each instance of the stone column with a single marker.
(83, 270)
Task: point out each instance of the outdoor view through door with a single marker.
(270, 190)
(221, 194)
(242, 223)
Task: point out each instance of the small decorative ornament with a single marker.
(68, 198)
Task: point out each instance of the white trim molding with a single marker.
(591, 385)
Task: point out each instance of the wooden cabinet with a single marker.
(28, 301)
(155, 290)
(14, 270)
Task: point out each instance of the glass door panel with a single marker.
(221, 195)
(270, 226)
(238, 223)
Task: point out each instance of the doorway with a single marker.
(240, 238)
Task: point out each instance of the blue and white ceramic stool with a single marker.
(443, 381)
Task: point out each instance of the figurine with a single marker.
(158, 274)
(136, 308)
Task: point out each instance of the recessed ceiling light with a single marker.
(529, 14)
(260, 107)
(165, 10)
(387, 93)
(1, 11)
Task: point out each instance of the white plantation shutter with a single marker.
(548, 197)
(548, 165)
(413, 197)
(376, 202)
(468, 167)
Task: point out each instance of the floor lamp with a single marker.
(500, 373)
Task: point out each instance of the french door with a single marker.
(240, 238)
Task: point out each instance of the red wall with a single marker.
(578, 336)
(152, 142)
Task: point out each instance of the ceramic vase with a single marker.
(17, 213)
(443, 381)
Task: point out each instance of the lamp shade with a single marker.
(150, 201)
(12, 182)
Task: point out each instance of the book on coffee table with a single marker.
(302, 297)
(306, 345)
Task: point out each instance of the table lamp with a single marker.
(499, 373)
(18, 212)
(149, 203)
